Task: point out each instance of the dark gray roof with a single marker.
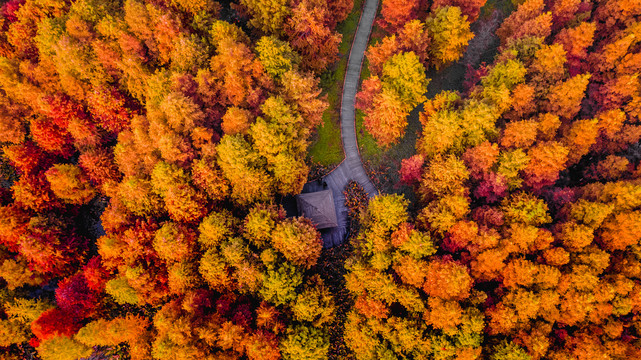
(319, 207)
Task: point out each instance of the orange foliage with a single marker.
(460, 235)
(611, 168)
(519, 134)
(378, 53)
(370, 88)
(309, 35)
(621, 231)
(579, 138)
(415, 37)
(27, 157)
(34, 193)
(523, 103)
(51, 137)
(546, 161)
(236, 65)
(396, 13)
(387, 119)
(12, 127)
(447, 280)
(262, 345)
(99, 165)
(548, 65)
(525, 13)
(564, 98)
(236, 121)
(574, 236)
(371, 308)
(502, 319)
(488, 264)
(576, 42)
(563, 11)
(481, 158)
(299, 241)
(614, 93)
(548, 126)
(410, 270)
(443, 314)
(519, 272)
(556, 256)
(70, 184)
(616, 12)
(303, 91)
(339, 10)
(211, 179)
(611, 122)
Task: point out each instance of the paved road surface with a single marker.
(351, 168)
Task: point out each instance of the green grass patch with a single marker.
(366, 142)
(326, 147)
(365, 73)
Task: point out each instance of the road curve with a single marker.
(351, 168)
(352, 164)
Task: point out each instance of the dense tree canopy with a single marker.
(146, 148)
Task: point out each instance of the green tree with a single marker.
(305, 343)
(276, 56)
(279, 284)
(509, 351)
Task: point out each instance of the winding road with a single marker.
(352, 167)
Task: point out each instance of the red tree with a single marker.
(110, 108)
(28, 158)
(52, 137)
(55, 322)
(396, 13)
(74, 297)
(412, 169)
(308, 34)
(100, 166)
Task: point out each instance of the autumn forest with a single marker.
(150, 152)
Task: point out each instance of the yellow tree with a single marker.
(450, 32)
(298, 240)
(266, 15)
(276, 56)
(244, 168)
(403, 84)
(70, 184)
(404, 75)
(302, 92)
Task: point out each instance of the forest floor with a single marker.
(383, 164)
